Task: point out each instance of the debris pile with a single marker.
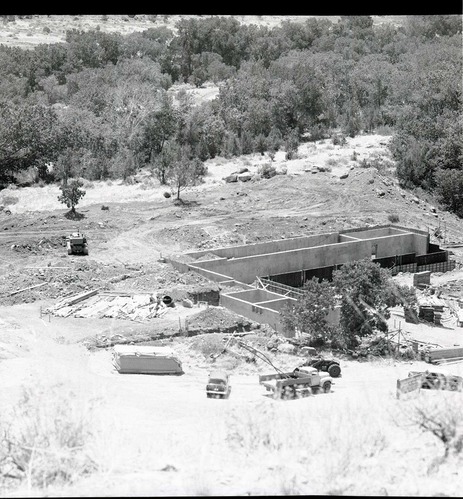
(136, 307)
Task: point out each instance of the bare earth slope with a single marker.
(155, 436)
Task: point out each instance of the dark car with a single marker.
(218, 385)
(331, 366)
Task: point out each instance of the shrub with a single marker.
(8, 200)
(44, 438)
(208, 345)
(393, 218)
(440, 415)
(339, 139)
(267, 171)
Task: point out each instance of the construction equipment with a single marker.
(331, 366)
(439, 381)
(218, 385)
(301, 382)
(76, 244)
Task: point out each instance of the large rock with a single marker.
(244, 177)
(286, 348)
(231, 178)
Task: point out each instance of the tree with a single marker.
(182, 172)
(71, 193)
(450, 189)
(365, 290)
(309, 313)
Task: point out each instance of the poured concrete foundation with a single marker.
(300, 257)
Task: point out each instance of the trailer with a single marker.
(141, 359)
(301, 382)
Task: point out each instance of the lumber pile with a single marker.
(431, 308)
(443, 355)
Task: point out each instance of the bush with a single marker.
(393, 218)
(9, 200)
(44, 438)
(339, 140)
(267, 171)
(209, 344)
(440, 415)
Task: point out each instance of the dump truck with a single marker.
(145, 359)
(76, 244)
(301, 382)
(218, 385)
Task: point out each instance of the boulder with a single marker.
(344, 175)
(286, 348)
(244, 177)
(231, 178)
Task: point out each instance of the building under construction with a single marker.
(272, 273)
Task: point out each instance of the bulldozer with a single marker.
(76, 244)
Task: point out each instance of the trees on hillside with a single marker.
(278, 86)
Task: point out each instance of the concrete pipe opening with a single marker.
(167, 300)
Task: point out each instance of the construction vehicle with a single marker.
(439, 381)
(331, 366)
(218, 385)
(76, 244)
(301, 382)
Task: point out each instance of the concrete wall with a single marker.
(374, 233)
(421, 244)
(247, 268)
(253, 312)
(266, 312)
(256, 295)
(270, 246)
(344, 238)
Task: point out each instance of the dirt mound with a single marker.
(40, 245)
(218, 320)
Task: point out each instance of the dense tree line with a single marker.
(98, 105)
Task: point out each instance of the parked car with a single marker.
(218, 385)
(331, 366)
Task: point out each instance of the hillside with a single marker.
(36, 29)
(84, 430)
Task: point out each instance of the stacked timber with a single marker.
(431, 308)
(440, 355)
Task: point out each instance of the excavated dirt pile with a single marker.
(218, 320)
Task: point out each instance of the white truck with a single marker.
(301, 382)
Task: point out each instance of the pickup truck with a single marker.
(218, 385)
(301, 382)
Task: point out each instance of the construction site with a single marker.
(201, 284)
